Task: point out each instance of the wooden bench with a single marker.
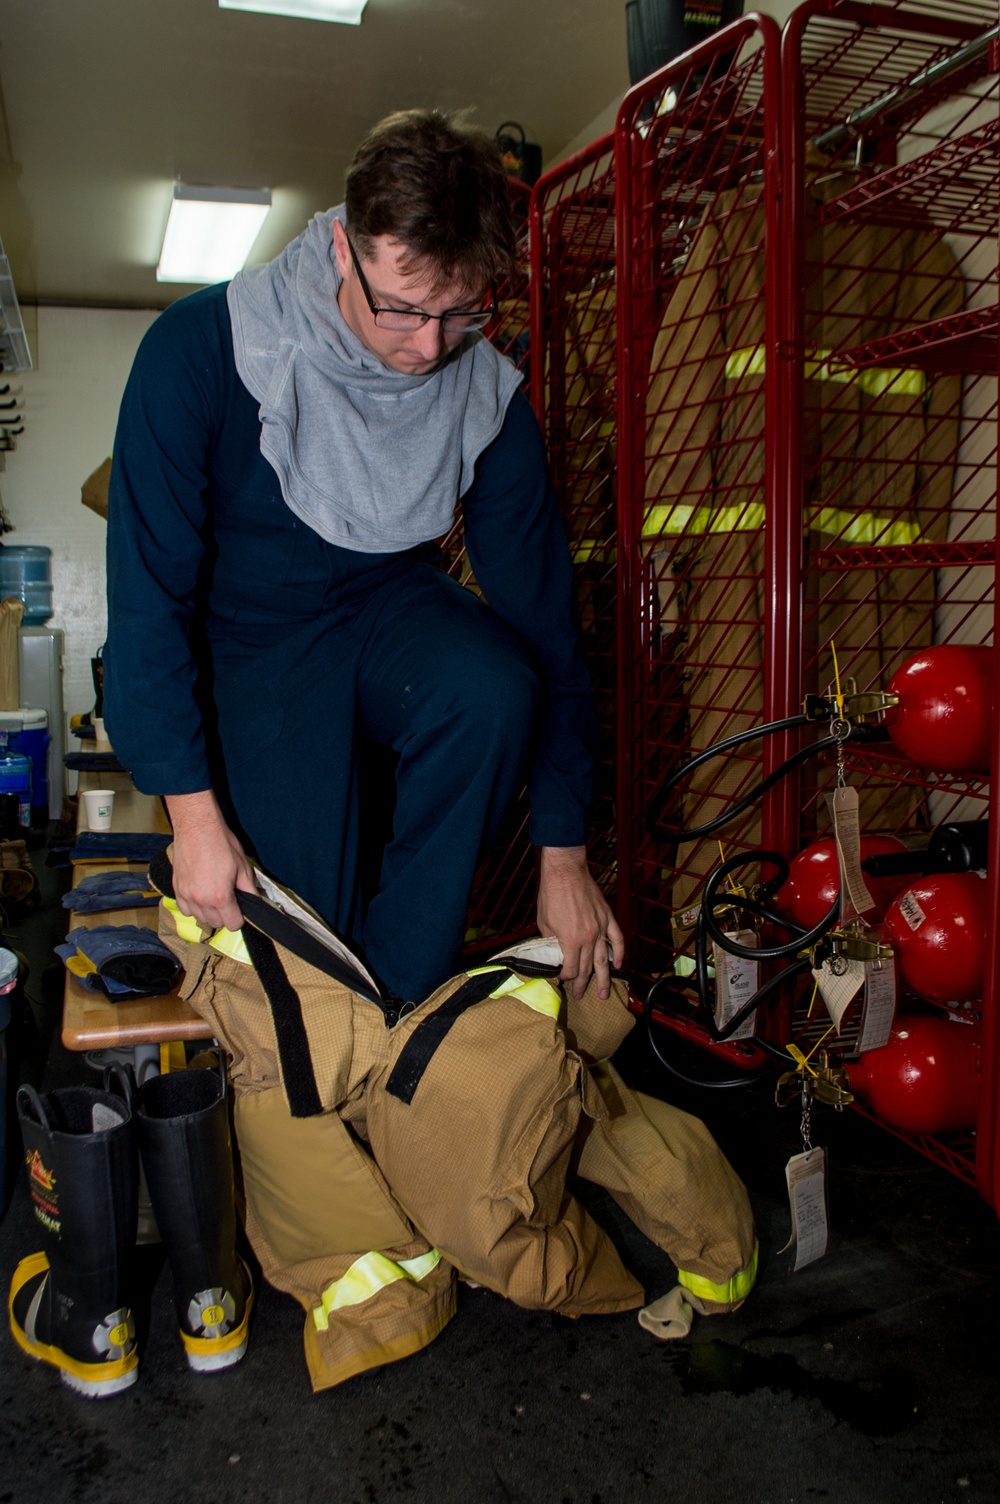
(147, 1026)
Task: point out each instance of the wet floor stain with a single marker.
(877, 1407)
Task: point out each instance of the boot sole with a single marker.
(210, 1354)
(92, 1380)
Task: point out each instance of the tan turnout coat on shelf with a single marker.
(879, 462)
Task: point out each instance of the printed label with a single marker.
(44, 1195)
(736, 981)
(911, 910)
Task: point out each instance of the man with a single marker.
(288, 449)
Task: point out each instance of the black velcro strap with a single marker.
(419, 1048)
(290, 1031)
(525, 968)
(288, 932)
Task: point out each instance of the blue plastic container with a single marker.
(26, 571)
(27, 731)
(15, 778)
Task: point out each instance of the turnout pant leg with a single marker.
(666, 1171)
(326, 1229)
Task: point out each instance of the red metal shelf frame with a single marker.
(771, 490)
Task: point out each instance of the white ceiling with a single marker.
(106, 102)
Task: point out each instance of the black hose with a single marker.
(752, 1003)
(659, 798)
(747, 1079)
(711, 899)
(857, 734)
(707, 925)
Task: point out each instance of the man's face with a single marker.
(411, 351)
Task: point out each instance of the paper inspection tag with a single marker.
(806, 1177)
(855, 899)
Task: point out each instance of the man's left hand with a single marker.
(573, 910)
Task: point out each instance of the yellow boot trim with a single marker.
(737, 1288)
(88, 1378)
(173, 1056)
(214, 1347)
(366, 1277)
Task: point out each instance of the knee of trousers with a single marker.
(500, 708)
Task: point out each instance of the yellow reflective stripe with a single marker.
(737, 1288)
(231, 943)
(747, 362)
(861, 528)
(368, 1275)
(534, 992)
(585, 549)
(228, 942)
(187, 926)
(679, 518)
(876, 381)
(857, 528)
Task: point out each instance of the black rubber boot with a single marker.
(183, 1129)
(69, 1305)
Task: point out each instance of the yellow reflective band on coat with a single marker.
(737, 1288)
(863, 529)
(876, 381)
(593, 550)
(858, 529)
(228, 942)
(535, 992)
(368, 1275)
(679, 517)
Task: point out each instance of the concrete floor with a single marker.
(870, 1377)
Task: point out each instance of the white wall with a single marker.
(70, 404)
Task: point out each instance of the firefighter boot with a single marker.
(183, 1128)
(68, 1304)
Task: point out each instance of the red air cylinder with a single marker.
(938, 930)
(813, 881)
(945, 709)
(926, 1079)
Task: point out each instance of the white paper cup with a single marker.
(98, 805)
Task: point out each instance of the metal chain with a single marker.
(841, 729)
(805, 1127)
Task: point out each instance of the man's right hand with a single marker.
(209, 862)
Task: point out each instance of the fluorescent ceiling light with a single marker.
(210, 232)
(348, 11)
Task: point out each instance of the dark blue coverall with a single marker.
(246, 654)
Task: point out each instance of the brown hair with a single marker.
(436, 184)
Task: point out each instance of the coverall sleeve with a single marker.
(157, 530)
(521, 560)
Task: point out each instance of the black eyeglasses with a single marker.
(454, 321)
